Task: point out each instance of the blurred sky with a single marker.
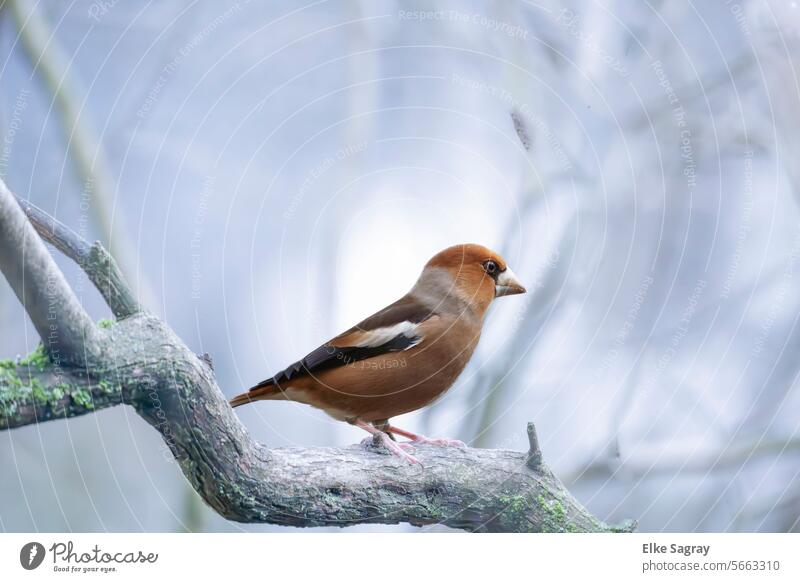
(274, 172)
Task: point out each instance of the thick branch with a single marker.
(174, 391)
(68, 334)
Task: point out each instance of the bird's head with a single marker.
(479, 274)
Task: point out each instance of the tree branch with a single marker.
(34, 390)
(175, 392)
(68, 334)
(144, 364)
(96, 262)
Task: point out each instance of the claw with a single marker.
(444, 442)
(423, 440)
(399, 450)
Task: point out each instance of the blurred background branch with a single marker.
(54, 68)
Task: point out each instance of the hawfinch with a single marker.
(403, 357)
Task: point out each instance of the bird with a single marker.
(405, 356)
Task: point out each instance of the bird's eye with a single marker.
(491, 267)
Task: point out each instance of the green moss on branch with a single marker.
(34, 390)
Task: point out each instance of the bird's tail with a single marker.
(266, 390)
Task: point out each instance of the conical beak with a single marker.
(508, 284)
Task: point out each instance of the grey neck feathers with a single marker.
(437, 290)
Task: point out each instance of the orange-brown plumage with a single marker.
(405, 356)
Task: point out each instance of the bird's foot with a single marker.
(443, 442)
(397, 449)
(419, 439)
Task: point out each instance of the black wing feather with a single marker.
(328, 356)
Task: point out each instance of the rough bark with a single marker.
(141, 362)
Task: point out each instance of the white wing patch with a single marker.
(378, 337)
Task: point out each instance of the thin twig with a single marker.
(96, 262)
(534, 452)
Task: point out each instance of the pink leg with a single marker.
(416, 438)
(394, 448)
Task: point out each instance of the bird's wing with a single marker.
(392, 329)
